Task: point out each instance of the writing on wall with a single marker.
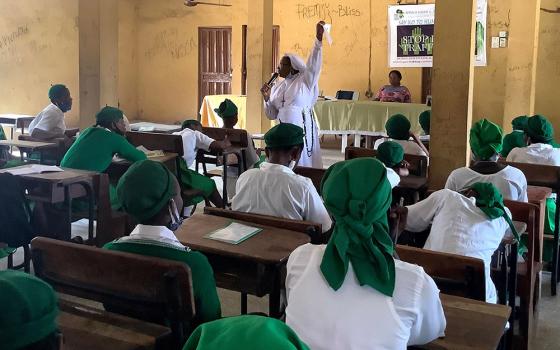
(169, 42)
(326, 11)
(11, 38)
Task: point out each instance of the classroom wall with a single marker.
(128, 58)
(38, 47)
(548, 65)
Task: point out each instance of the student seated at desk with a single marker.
(424, 120)
(244, 332)
(274, 189)
(352, 293)
(95, 147)
(391, 154)
(29, 312)
(49, 124)
(398, 130)
(193, 140)
(541, 150)
(517, 137)
(471, 223)
(228, 112)
(150, 193)
(486, 143)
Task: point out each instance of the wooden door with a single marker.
(426, 83)
(214, 61)
(275, 54)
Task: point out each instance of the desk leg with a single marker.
(68, 203)
(512, 289)
(274, 296)
(224, 176)
(357, 140)
(502, 293)
(243, 303)
(344, 142)
(91, 204)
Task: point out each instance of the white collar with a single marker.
(266, 166)
(153, 234)
(53, 106)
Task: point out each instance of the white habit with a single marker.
(510, 181)
(277, 191)
(458, 227)
(292, 101)
(50, 119)
(359, 317)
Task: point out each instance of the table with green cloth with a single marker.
(362, 118)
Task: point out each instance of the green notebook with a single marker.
(234, 233)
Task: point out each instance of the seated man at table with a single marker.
(471, 223)
(517, 137)
(228, 112)
(96, 146)
(274, 189)
(398, 130)
(29, 312)
(193, 140)
(352, 293)
(244, 332)
(486, 144)
(541, 150)
(150, 193)
(49, 124)
(391, 154)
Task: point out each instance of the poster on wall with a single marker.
(411, 35)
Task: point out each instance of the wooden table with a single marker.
(29, 146)
(87, 328)
(412, 186)
(471, 325)
(16, 121)
(120, 166)
(154, 127)
(538, 196)
(60, 187)
(251, 267)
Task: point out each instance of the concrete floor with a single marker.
(547, 326)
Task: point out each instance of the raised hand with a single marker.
(320, 30)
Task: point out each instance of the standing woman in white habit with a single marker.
(292, 100)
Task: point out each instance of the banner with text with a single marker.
(411, 35)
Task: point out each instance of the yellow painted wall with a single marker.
(38, 47)
(548, 65)
(128, 58)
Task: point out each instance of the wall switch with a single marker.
(503, 42)
(495, 42)
(503, 34)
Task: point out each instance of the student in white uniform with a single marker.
(49, 124)
(292, 100)
(391, 154)
(472, 224)
(486, 144)
(541, 150)
(193, 140)
(274, 189)
(352, 293)
(398, 130)
(228, 112)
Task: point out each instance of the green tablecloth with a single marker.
(363, 116)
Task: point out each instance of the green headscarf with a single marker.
(29, 310)
(540, 130)
(511, 141)
(390, 153)
(6, 251)
(520, 123)
(486, 139)
(145, 189)
(57, 91)
(244, 332)
(227, 109)
(491, 202)
(357, 194)
(187, 123)
(398, 127)
(424, 119)
(284, 135)
(108, 114)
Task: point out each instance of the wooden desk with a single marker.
(251, 267)
(86, 328)
(29, 146)
(155, 127)
(60, 187)
(16, 121)
(120, 166)
(538, 196)
(471, 325)
(411, 187)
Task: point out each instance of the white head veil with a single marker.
(299, 64)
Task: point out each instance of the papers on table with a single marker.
(150, 154)
(234, 233)
(33, 169)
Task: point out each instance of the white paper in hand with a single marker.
(327, 27)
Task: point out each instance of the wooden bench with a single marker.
(146, 288)
(546, 176)
(454, 274)
(418, 164)
(158, 141)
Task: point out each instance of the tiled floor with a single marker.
(547, 325)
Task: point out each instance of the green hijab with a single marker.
(398, 127)
(109, 114)
(187, 123)
(390, 153)
(244, 332)
(284, 135)
(57, 91)
(424, 120)
(485, 139)
(227, 109)
(491, 202)
(513, 140)
(357, 194)
(540, 130)
(520, 123)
